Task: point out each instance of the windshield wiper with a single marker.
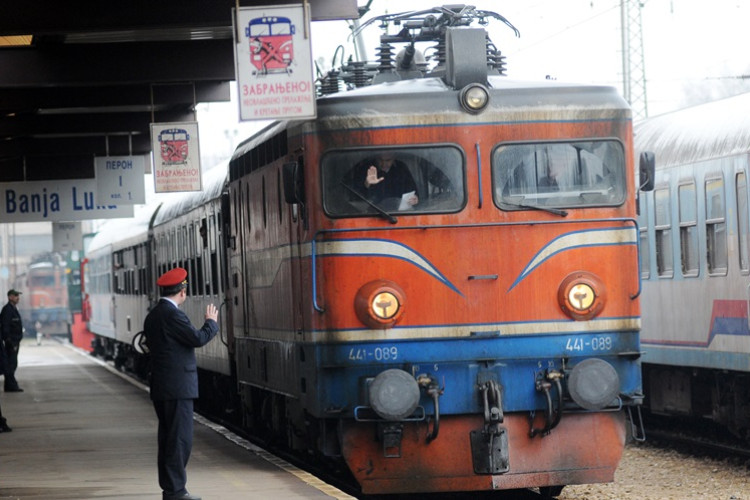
(555, 211)
(380, 211)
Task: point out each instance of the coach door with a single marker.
(235, 243)
(294, 195)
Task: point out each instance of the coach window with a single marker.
(249, 206)
(204, 256)
(183, 253)
(716, 226)
(193, 259)
(264, 201)
(173, 247)
(663, 233)
(422, 180)
(137, 262)
(164, 260)
(117, 272)
(743, 231)
(214, 235)
(236, 207)
(558, 174)
(158, 252)
(643, 236)
(688, 228)
(279, 196)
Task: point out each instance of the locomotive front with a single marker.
(464, 279)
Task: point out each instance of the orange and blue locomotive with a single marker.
(466, 318)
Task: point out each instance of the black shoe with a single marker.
(184, 496)
(15, 389)
(4, 426)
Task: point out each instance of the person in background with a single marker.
(171, 340)
(12, 333)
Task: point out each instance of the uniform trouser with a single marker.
(175, 438)
(11, 363)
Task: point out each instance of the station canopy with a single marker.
(85, 78)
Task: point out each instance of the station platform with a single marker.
(82, 430)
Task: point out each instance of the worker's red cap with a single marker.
(176, 276)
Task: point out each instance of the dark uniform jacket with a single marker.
(10, 323)
(395, 183)
(172, 340)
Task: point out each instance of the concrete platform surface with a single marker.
(80, 431)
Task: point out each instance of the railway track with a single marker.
(695, 437)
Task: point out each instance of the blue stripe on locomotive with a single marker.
(456, 364)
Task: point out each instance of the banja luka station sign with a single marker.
(66, 200)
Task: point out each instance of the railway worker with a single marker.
(12, 333)
(386, 177)
(172, 340)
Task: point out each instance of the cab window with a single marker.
(559, 174)
(399, 181)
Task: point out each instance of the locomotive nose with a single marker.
(394, 394)
(593, 384)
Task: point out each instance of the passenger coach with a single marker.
(695, 262)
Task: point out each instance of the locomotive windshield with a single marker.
(559, 174)
(400, 181)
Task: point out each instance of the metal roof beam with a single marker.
(24, 17)
(117, 63)
(113, 96)
(87, 124)
(101, 145)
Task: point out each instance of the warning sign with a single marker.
(177, 165)
(274, 63)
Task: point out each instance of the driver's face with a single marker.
(385, 162)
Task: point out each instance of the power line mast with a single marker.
(633, 60)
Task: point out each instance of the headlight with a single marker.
(380, 304)
(474, 97)
(581, 295)
(385, 305)
(394, 394)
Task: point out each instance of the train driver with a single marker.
(386, 177)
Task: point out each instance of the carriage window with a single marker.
(399, 181)
(643, 235)
(716, 227)
(559, 174)
(264, 202)
(688, 229)
(743, 222)
(663, 232)
(279, 197)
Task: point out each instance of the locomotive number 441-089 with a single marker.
(603, 343)
(388, 353)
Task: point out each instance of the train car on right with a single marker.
(695, 263)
